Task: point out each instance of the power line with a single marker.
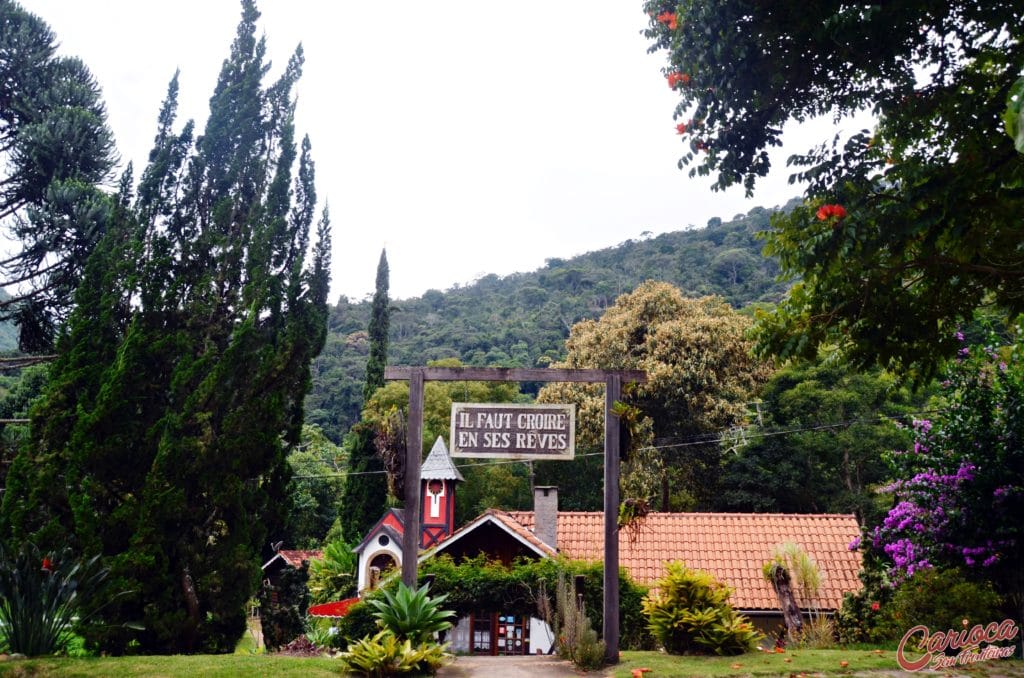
(692, 441)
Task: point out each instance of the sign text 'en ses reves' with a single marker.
(513, 431)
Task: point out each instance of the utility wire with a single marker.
(692, 441)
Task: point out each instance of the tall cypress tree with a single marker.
(162, 441)
(366, 487)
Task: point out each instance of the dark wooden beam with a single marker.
(403, 373)
(413, 456)
(613, 392)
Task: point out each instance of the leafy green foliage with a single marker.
(700, 374)
(829, 461)
(55, 148)
(333, 577)
(386, 655)
(939, 599)
(690, 614)
(1014, 115)
(43, 596)
(496, 486)
(316, 486)
(283, 606)
(163, 437)
(412, 614)
(932, 194)
(359, 622)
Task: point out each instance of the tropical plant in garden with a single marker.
(333, 577)
(690, 614)
(386, 655)
(959, 491)
(412, 614)
(43, 596)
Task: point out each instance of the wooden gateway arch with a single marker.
(612, 379)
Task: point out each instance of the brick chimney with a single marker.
(545, 514)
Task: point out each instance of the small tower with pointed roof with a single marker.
(438, 475)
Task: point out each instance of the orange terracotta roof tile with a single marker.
(295, 557)
(731, 546)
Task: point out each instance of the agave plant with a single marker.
(412, 614)
(41, 594)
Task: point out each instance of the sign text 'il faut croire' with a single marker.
(513, 431)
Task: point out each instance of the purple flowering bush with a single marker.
(959, 491)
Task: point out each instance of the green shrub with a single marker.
(412, 614)
(576, 638)
(939, 599)
(359, 622)
(690, 614)
(283, 606)
(385, 655)
(42, 596)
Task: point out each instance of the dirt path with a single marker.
(531, 666)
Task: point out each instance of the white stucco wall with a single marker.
(372, 550)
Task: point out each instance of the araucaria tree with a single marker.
(908, 227)
(366, 487)
(55, 147)
(161, 443)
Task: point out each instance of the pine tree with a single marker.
(162, 441)
(366, 487)
(55, 147)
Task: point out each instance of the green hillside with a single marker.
(522, 320)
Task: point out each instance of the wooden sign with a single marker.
(505, 431)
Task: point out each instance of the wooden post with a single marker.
(413, 456)
(613, 391)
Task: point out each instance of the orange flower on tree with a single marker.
(676, 78)
(670, 19)
(47, 564)
(828, 211)
(681, 128)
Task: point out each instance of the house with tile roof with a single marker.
(732, 547)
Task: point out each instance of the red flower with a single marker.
(47, 564)
(828, 211)
(875, 606)
(681, 128)
(676, 78)
(670, 19)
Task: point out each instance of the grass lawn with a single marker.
(216, 666)
(810, 662)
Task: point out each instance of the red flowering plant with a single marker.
(826, 212)
(44, 597)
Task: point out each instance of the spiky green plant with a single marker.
(41, 596)
(412, 614)
(333, 576)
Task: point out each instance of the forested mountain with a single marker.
(522, 320)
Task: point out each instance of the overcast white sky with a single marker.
(466, 137)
